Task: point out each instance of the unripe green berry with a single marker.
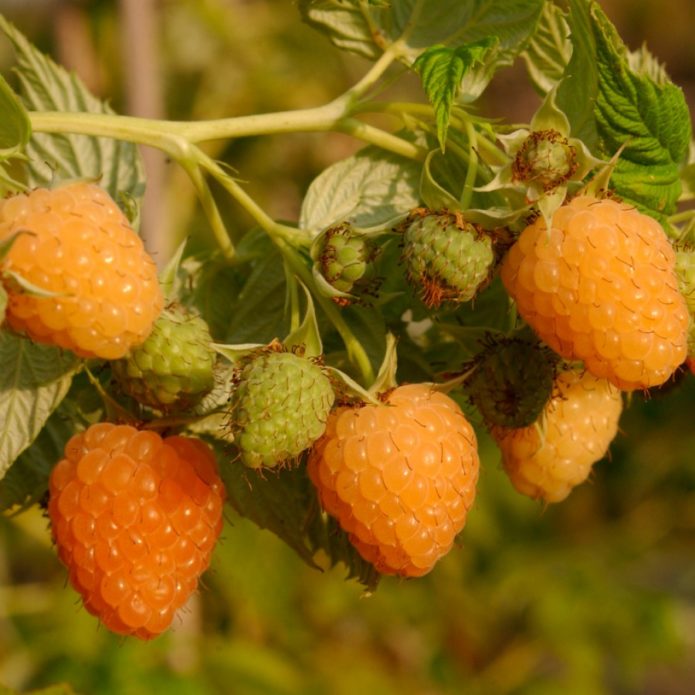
(545, 158)
(345, 259)
(279, 407)
(173, 368)
(447, 258)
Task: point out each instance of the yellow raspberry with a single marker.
(600, 286)
(549, 458)
(400, 477)
(76, 244)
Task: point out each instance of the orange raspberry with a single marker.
(600, 286)
(135, 519)
(399, 477)
(549, 458)
(78, 245)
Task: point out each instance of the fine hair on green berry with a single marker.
(279, 406)
(446, 258)
(545, 158)
(345, 260)
(174, 368)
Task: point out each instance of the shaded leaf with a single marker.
(576, 94)
(367, 189)
(33, 381)
(367, 28)
(45, 86)
(549, 50)
(347, 24)
(15, 127)
(285, 503)
(27, 478)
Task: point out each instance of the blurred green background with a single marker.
(595, 595)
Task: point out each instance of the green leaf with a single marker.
(646, 114)
(347, 24)
(577, 91)
(549, 50)
(367, 189)
(27, 478)
(45, 86)
(615, 100)
(284, 502)
(276, 500)
(257, 314)
(33, 381)
(15, 128)
(441, 69)
(369, 28)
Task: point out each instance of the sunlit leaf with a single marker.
(46, 86)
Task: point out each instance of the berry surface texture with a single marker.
(548, 459)
(135, 519)
(600, 286)
(98, 293)
(400, 478)
(279, 408)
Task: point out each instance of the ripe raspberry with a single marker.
(173, 368)
(600, 286)
(279, 407)
(512, 382)
(78, 245)
(549, 458)
(344, 260)
(135, 519)
(690, 364)
(447, 258)
(400, 477)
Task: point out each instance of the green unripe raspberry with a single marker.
(279, 407)
(173, 368)
(447, 258)
(512, 382)
(545, 158)
(345, 259)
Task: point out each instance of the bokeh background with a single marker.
(595, 595)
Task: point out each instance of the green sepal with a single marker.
(386, 376)
(169, 274)
(307, 335)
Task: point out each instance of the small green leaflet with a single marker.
(441, 69)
